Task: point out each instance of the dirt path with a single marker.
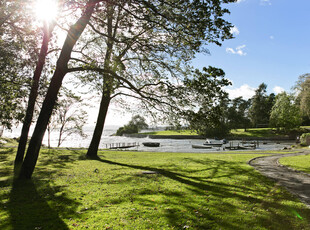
(295, 182)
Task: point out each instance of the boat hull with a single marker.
(151, 144)
(201, 147)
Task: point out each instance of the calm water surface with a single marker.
(166, 145)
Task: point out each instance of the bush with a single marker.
(134, 126)
(305, 139)
(127, 129)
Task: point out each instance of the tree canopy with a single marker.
(136, 124)
(302, 88)
(261, 105)
(17, 48)
(285, 114)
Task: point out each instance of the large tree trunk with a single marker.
(106, 92)
(94, 144)
(47, 30)
(74, 33)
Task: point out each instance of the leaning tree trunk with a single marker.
(92, 151)
(47, 30)
(74, 33)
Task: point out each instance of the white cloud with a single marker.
(271, 37)
(230, 50)
(238, 50)
(238, 1)
(244, 91)
(265, 2)
(234, 30)
(278, 89)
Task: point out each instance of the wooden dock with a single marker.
(121, 145)
(242, 145)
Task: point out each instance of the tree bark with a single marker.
(47, 33)
(74, 33)
(92, 151)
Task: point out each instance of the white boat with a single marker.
(215, 143)
(201, 146)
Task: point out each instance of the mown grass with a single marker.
(188, 191)
(259, 132)
(234, 133)
(301, 163)
(8, 142)
(172, 132)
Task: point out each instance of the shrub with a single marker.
(305, 139)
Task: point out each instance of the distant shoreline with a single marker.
(152, 136)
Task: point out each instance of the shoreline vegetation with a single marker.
(249, 134)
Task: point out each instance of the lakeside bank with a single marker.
(199, 137)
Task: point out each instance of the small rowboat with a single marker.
(151, 144)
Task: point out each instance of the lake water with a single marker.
(166, 145)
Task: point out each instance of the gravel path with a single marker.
(294, 181)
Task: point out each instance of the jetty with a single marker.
(121, 145)
(242, 146)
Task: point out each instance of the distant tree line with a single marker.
(284, 111)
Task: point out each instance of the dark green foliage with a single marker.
(305, 139)
(261, 105)
(207, 99)
(302, 88)
(237, 113)
(18, 50)
(13, 85)
(134, 126)
(127, 129)
(285, 114)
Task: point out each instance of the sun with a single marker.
(46, 10)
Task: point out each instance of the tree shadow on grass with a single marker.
(29, 209)
(58, 158)
(36, 204)
(5, 169)
(4, 153)
(212, 205)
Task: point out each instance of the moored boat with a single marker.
(151, 144)
(215, 143)
(201, 146)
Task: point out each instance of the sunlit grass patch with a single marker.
(173, 132)
(142, 190)
(258, 132)
(301, 163)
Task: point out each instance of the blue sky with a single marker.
(271, 45)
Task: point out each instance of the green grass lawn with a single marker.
(235, 133)
(189, 191)
(8, 142)
(172, 132)
(259, 132)
(301, 163)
